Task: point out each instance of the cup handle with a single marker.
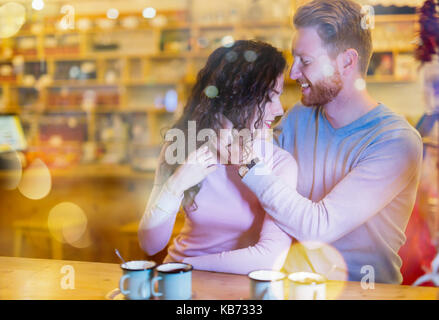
(266, 294)
(121, 284)
(153, 281)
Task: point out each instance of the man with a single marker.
(358, 162)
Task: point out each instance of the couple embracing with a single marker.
(335, 191)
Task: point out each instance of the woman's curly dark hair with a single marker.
(244, 75)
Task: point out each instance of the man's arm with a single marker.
(386, 169)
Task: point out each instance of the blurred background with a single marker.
(88, 86)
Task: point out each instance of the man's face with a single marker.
(313, 69)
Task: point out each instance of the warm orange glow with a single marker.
(67, 223)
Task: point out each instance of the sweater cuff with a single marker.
(168, 201)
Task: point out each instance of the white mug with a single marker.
(266, 285)
(174, 281)
(307, 286)
(135, 282)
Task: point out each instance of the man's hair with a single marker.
(339, 26)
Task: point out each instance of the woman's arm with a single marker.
(269, 253)
(158, 220)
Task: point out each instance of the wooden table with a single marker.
(24, 278)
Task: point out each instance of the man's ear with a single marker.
(348, 61)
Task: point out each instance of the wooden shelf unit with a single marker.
(143, 64)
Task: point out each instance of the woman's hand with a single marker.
(199, 164)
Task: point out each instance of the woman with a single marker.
(225, 229)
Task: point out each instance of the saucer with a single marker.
(115, 294)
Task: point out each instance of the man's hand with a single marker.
(247, 147)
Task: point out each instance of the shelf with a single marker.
(94, 30)
(396, 18)
(394, 49)
(135, 83)
(89, 83)
(388, 79)
(82, 171)
(81, 83)
(109, 55)
(245, 24)
(98, 110)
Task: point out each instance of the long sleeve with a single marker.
(158, 220)
(269, 253)
(273, 245)
(384, 171)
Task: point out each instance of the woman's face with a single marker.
(273, 108)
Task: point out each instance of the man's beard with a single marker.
(323, 91)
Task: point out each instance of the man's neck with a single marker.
(346, 108)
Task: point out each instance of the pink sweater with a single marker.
(229, 232)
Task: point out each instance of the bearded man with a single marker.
(358, 162)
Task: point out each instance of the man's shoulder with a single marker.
(394, 126)
(299, 110)
(294, 117)
(394, 136)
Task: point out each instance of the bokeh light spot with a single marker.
(250, 55)
(227, 41)
(56, 141)
(74, 72)
(328, 70)
(231, 56)
(211, 92)
(112, 13)
(67, 223)
(203, 42)
(149, 13)
(72, 122)
(12, 17)
(360, 84)
(36, 181)
(38, 5)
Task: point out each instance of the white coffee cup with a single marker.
(266, 285)
(307, 286)
(135, 282)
